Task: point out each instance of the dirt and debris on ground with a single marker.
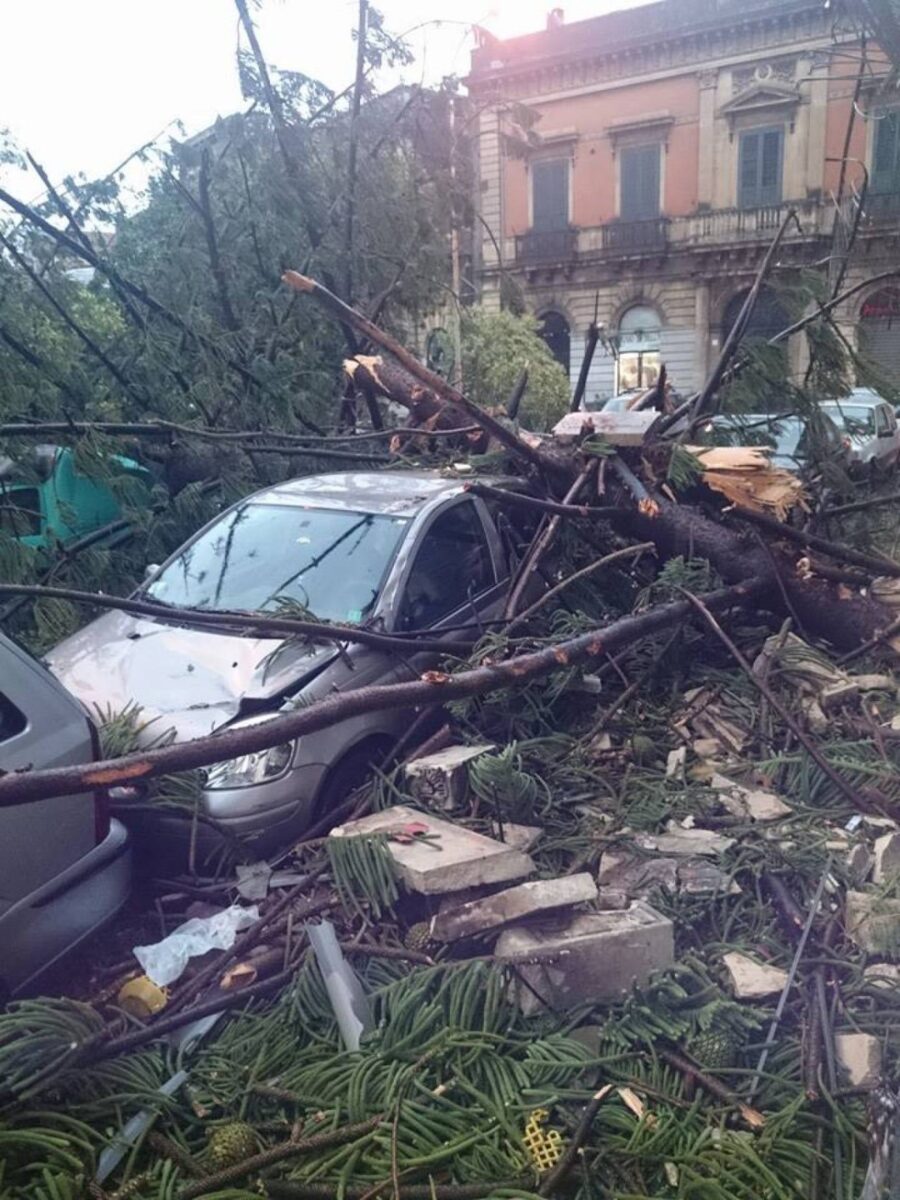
(659, 962)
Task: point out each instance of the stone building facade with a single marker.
(638, 165)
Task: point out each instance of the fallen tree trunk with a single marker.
(435, 687)
(825, 608)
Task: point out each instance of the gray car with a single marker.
(869, 427)
(394, 551)
(65, 866)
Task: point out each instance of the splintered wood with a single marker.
(744, 475)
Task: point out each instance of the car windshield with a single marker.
(261, 557)
(857, 419)
(781, 436)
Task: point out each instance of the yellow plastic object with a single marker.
(544, 1147)
(141, 997)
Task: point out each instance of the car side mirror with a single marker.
(150, 569)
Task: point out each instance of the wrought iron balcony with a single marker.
(546, 246)
(635, 237)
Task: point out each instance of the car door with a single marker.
(886, 436)
(456, 580)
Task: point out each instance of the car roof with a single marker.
(397, 493)
(859, 397)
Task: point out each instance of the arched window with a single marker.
(554, 329)
(767, 319)
(638, 344)
(879, 329)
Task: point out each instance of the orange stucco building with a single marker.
(639, 163)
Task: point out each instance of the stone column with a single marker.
(707, 137)
(489, 199)
(818, 115)
(701, 333)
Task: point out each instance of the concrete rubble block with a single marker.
(884, 976)
(584, 958)
(860, 861)
(873, 922)
(639, 876)
(752, 980)
(687, 842)
(518, 837)
(442, 779)
(859, 1059)
(617, 428)
(755, 803)
(887, 858)
(458, 859)
(512, 904)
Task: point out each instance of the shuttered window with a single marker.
(759, 167)
(886, 157)
(639, 183)
(550, 193)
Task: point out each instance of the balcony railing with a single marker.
(546, 245)
(722, 225)
(635, 237)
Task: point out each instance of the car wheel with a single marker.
(353, 770)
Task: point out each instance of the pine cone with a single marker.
(715, 1049)
(232, 1143)
(418, 936)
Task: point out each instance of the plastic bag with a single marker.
(164, 961)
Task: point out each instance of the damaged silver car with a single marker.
(391, 551)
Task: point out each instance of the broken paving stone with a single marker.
(752, 980)
(512, 904)
(517, 837)
(588, 957)
(884, 976)
(873, 923)
(442, 779)
(680, 841)
(755, 803)
(458, 858)
(860, 860)
(859, 1059)
(638, 876)
(887, 858)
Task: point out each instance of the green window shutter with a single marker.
(886, 156)
(759, 167)
(639, 183)
(550, 194)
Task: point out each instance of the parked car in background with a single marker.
(790, 438)
(49, 500)
(65, 865)
(391, 551)
(869, 426)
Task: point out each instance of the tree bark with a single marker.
(434, 687)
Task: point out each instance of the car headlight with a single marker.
(247, 770)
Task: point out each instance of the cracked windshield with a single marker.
(262, 557)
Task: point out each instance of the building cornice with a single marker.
(754, 32)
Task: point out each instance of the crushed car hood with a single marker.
(185, 679)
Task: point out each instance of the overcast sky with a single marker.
(85, 82)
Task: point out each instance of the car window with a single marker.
(452, 565)
(20, 511)
(260, 557)
(11, 720)
(882, 424)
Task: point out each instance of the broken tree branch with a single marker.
(876, 564)
(343, 312)
(434, 687)
(275, 627)
(762, 686)
(537, 504)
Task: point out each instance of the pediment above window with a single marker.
(766, 99)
